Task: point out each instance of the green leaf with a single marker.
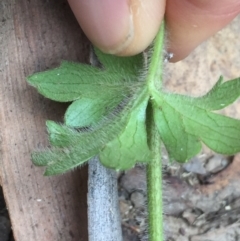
(63, 136)
(180, 144)
(72, 81)
(184, 122)
(88, 111)
(221, 95)
(220, 133)
(109, 107)
(128, 67)
(61, 160)
(73, 148)
(131, 145)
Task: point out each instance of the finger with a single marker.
(122, 27)
(190, 22)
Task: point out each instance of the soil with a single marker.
(202, 200)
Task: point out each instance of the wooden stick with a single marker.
(103, 210)
(104, 222)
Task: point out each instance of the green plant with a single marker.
(121, 112)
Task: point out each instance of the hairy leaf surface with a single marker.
(128, 67)
(69, 143)
(72, 81)
(131, 145)
(88, 111)
(221, 95)
(184, 122)
(108, 116)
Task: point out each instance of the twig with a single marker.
(104, 222)
(103, 209)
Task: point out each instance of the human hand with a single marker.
(127, 27)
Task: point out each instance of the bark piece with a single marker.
(35, 36)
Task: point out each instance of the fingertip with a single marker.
(147, 17)
(104, 22)
(189, 23)
(119, 27)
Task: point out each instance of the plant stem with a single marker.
(154, 187)
(154, 168)
(154, 78)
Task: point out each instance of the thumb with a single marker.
(122, 27)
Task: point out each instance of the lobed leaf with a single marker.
(86, 112)
(73, 148)
(131, 145)
(63, 136)
(61, 160)
(220, 133)
(72, 81)
(180, 144)
(183, 123)
(221, 95)
(111, 102)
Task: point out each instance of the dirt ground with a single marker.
(201, 200)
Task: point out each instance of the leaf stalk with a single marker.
(154, 187)
(154, 167)
(154, 78)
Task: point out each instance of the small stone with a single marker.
(200, 222)
(137, 199)
(190, 215)
(125, 207)
(134, 179)
(228, 208)
(128, 234)
(182, 231)
(195, 166)
(123, 194)
(216, 163)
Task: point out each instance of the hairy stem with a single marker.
(154, 168)
(154, 78)
(154, 186)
